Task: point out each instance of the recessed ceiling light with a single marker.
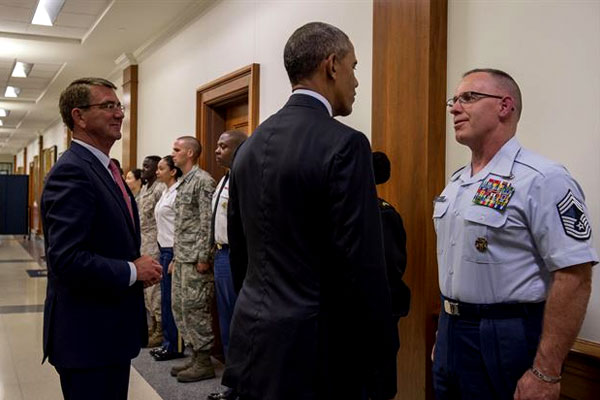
(21, 69)
(46, 12)
(4, 112)
(12, 91)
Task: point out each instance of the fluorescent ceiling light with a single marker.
(12, 91)
(4, 112)
(21, 69)
(46, 12)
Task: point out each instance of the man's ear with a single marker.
(507, 107)
(77, 115)
(331, 66)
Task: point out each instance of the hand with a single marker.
(171, 267)
(202, 267)
(148, 270)
(530, 387)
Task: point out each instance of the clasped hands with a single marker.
(149, 271)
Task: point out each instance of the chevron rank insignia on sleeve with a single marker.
(573, 219)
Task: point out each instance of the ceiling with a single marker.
(88, 38)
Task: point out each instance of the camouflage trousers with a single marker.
(152, 301)
(192, 296)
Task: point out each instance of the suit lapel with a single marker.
(107, 181)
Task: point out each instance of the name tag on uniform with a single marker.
(494, 193)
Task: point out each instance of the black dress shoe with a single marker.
(157, 350)
(167, 355)
(228, 394)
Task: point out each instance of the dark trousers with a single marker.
(225, 294)
(483, 358)
(171, 339)
(102, 383)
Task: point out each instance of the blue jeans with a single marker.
(225, 294)
(171, 339)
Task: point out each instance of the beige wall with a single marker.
(230, 35)
(552, 49)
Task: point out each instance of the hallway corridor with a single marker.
(22, 376)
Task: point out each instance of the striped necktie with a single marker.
(119, 180)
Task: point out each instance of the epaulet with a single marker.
(456, 173)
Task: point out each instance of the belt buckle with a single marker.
(451, 308)
(219, 246)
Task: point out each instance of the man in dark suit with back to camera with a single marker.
(313, 317)
(94, 315)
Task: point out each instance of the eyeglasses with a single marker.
(109, 106)
(469, 97)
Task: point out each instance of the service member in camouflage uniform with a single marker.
(148, 197)
(193, 279)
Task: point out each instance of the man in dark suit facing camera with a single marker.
(313, 317)
(94, 315)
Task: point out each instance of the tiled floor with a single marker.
(22, 376)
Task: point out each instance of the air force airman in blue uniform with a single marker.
(514, 255)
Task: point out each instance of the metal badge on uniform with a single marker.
(573, 218)
(481, 244)
(494, 193)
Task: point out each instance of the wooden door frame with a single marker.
(409, 124)
(220, 92)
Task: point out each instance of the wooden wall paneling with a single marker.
(25, 161)
(408, 123)
(581, 372)
(15, 164)
(130, 122)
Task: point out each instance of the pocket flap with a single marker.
(485, 216)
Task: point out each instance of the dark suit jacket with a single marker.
(92, 317)
(313, 317)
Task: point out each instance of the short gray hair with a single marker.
(309, 45)
(77, 94)
(505, 81)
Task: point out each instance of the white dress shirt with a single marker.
(164, 213)
(221, 211)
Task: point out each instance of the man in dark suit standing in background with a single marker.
(313, 317)
(94, 315)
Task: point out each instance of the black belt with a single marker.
(492, 311)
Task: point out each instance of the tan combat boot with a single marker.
(182, 367)
(201, 369)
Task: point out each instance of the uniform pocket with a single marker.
(480, 241)
(439, 210)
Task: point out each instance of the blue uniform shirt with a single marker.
(503, 252)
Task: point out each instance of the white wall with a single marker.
(33, 149)
(552, 49)
(20, 157)
(231, 35)
(56, 135)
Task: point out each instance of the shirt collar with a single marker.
(103, 158)
(173, 186)
(501, 164)
(189, 173)
(317, 96)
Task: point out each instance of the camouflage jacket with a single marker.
(148, 198)
(193, 217)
